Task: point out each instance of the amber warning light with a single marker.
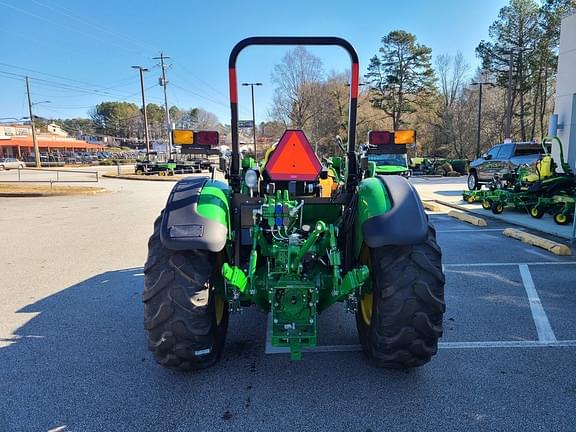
(182, 137)
(187, 137)
(407, 136)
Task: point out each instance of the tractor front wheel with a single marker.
(400, 321)
(185, 316)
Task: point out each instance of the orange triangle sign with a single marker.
(293, 159)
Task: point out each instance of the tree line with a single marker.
(125, 120)
(405, 89)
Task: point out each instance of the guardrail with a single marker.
(61, 176)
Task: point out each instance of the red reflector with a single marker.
(380, 137)
(293, 159)
(207, 138)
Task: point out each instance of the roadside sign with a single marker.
(245, 123)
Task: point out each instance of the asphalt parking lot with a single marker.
(73, 350)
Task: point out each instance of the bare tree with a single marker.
(452, 73)
(297, 81)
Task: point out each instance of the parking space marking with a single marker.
(441, 346)
(543, 327)
(546, 336)
(469, 230)
(497, 264)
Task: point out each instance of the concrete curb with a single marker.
(143, 177)
(503, 218)
(465, 217)
(49, 194)
(433, 206)
(534, 240)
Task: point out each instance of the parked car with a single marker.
(500, 160)
(11, 163)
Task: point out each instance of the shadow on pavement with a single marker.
(81, 363)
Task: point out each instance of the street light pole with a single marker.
(480, 84)
(146, 136)
(253, 115)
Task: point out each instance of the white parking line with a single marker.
(471, 230)
(497, 264)
(441, 346)
(543, 327)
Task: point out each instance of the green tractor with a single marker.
(274, 236)
(387, 152)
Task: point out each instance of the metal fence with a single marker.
(45, 175)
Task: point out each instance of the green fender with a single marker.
(197, 215)
(373, 200)
(389, 213)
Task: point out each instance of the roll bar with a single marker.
(293, 40)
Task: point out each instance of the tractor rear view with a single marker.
(280, 235)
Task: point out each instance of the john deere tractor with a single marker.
(274, 236)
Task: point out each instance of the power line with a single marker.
(64, 78)
(71, 87)
(69, 13)
(90, 35)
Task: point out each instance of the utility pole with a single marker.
(480, 84)
(163, 83)
(146, 136)
(253, 115)
(36, 149)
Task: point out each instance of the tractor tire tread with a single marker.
(178, 315)
(408, 304)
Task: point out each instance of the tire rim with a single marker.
(560, 218)
(471, 182)
(366, 308)
(534, 212)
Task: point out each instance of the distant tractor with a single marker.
(387, 152)
(275, 235)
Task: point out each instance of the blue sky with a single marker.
(89, 46)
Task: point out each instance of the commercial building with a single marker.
(565, 107)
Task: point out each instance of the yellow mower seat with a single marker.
(544, 168)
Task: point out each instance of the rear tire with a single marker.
(407, 306)
(185, 317)
(486, 204)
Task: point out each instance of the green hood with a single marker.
(390, 169)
